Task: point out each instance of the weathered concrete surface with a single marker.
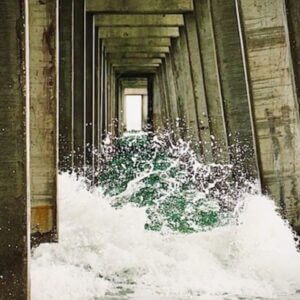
(138, 6)
(138, 32)
(138, 20)
(184, 87)
(14, 181)
(198, 86)
(276, 111)
(43, 123)
(165, 108)
(170, 84)
(65, 85)
(293, 17)
(157, 120)
(211, 79)
(233, 85)
(157, 42)
(79, 86)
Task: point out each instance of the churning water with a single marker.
(162, 225)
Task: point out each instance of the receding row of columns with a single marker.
(232, 80)
(229, 76)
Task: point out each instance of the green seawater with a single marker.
(146, 173)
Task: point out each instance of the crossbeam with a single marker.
(136, 55)
(140, 6)
(136, 70)
(138, 42)
(135, 49)
(110, 20)
(135, 65)
(138, 32)
(136, 61)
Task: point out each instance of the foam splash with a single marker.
(105, 253)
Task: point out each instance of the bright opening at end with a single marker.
(134, 112)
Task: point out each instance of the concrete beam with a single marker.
(136, 55)
(135, 65)
(135, 49)
(156, 42)
(143, 20)
(79, 86)
(135, 61)
(134, 82)
(14, 181)
(43, 119)
(137, 6)
(65, 85)
(135, 70)
(138, 32)
(275, 105)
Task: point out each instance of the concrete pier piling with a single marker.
(224, 75)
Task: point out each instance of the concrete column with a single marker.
(105, 95)
(14, 140)
(275, 104)
(293, 17)
(150, 101)
(96, 96)
(172, 94)
(198, 86)
(165, 109)
(144, 111)
(113, 103)
(79, 85)
(103, 91)
(43, 119)
(207, 48)
(185, 96)
(237, 111)
(157, 108)
(65, 85)
(89, 104)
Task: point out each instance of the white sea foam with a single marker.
(104, 251)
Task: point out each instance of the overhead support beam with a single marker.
(135, 65)
(136, 70)
(136, 49)
(136, 55)
(134, 82)
(138, 20)
(138, 6)
(157, 42)
(138, 32)
(135, 61)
